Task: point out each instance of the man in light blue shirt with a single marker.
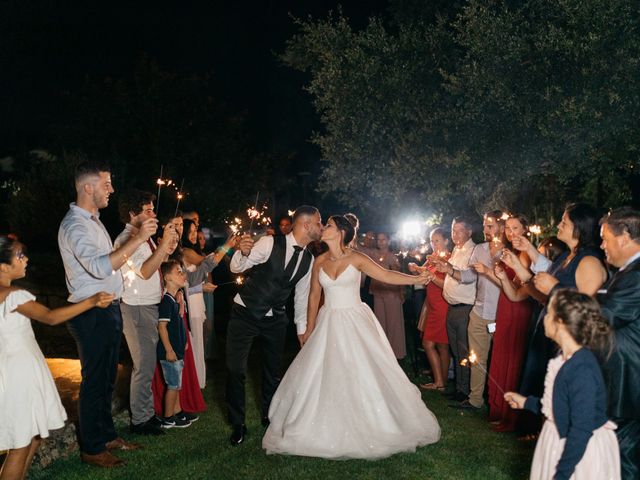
(91, 265)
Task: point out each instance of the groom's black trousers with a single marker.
(242, 330)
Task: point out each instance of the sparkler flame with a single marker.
(472, 359)
(130, 276)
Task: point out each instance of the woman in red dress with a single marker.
(434, 339)
(510, 338)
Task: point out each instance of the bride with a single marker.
(344, 395)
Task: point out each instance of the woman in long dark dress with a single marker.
(510, 338)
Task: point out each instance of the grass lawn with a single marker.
(468, 449)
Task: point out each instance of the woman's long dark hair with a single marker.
(586, 227)
(185, 237)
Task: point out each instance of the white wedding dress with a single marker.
(344, 395)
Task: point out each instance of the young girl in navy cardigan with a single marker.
(577, 440)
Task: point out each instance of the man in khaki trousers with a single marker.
(483, 314)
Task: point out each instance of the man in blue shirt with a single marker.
(91, 265)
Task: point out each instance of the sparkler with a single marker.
(253, 210)
(253, 215)
(536, 230)
(160, 182)
(238, 281)
(131, 274)
(179, 196)
(472, 359)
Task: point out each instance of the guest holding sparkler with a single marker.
(460, 298)
(92, 265)
(434, 339)
(580, 267)
(510, 338)
(388, 299)
(577, 440)
(198, 267)
(483, 314)
(139, 307)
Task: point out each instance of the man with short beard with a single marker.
(480, 272)
(280, 264)
(91, 265)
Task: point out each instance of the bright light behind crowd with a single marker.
(411, 229)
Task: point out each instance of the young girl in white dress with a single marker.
(29, 402)
(344, 395)
(577, 440)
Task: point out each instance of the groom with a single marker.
(280, 264)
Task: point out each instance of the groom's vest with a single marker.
(268, 288)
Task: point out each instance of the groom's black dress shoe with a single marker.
(237, 437)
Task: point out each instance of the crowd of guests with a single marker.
(495, 308)
(494, 315)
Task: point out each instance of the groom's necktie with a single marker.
(291, 266)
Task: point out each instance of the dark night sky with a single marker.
(49, 47)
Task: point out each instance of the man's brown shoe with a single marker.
(104, 459)
(121, 444)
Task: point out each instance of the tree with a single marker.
(492, 103)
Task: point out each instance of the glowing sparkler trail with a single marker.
(472, 359)
(160, 182)
(180, 195)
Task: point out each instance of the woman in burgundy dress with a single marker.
(434, 339)
(510, 338)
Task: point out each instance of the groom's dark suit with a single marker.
(621, 305)
(266, 290)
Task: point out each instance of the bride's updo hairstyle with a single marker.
(346, 227)
(355, 223)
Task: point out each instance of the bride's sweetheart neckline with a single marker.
(339, 275)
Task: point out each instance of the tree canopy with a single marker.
(478, 103)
